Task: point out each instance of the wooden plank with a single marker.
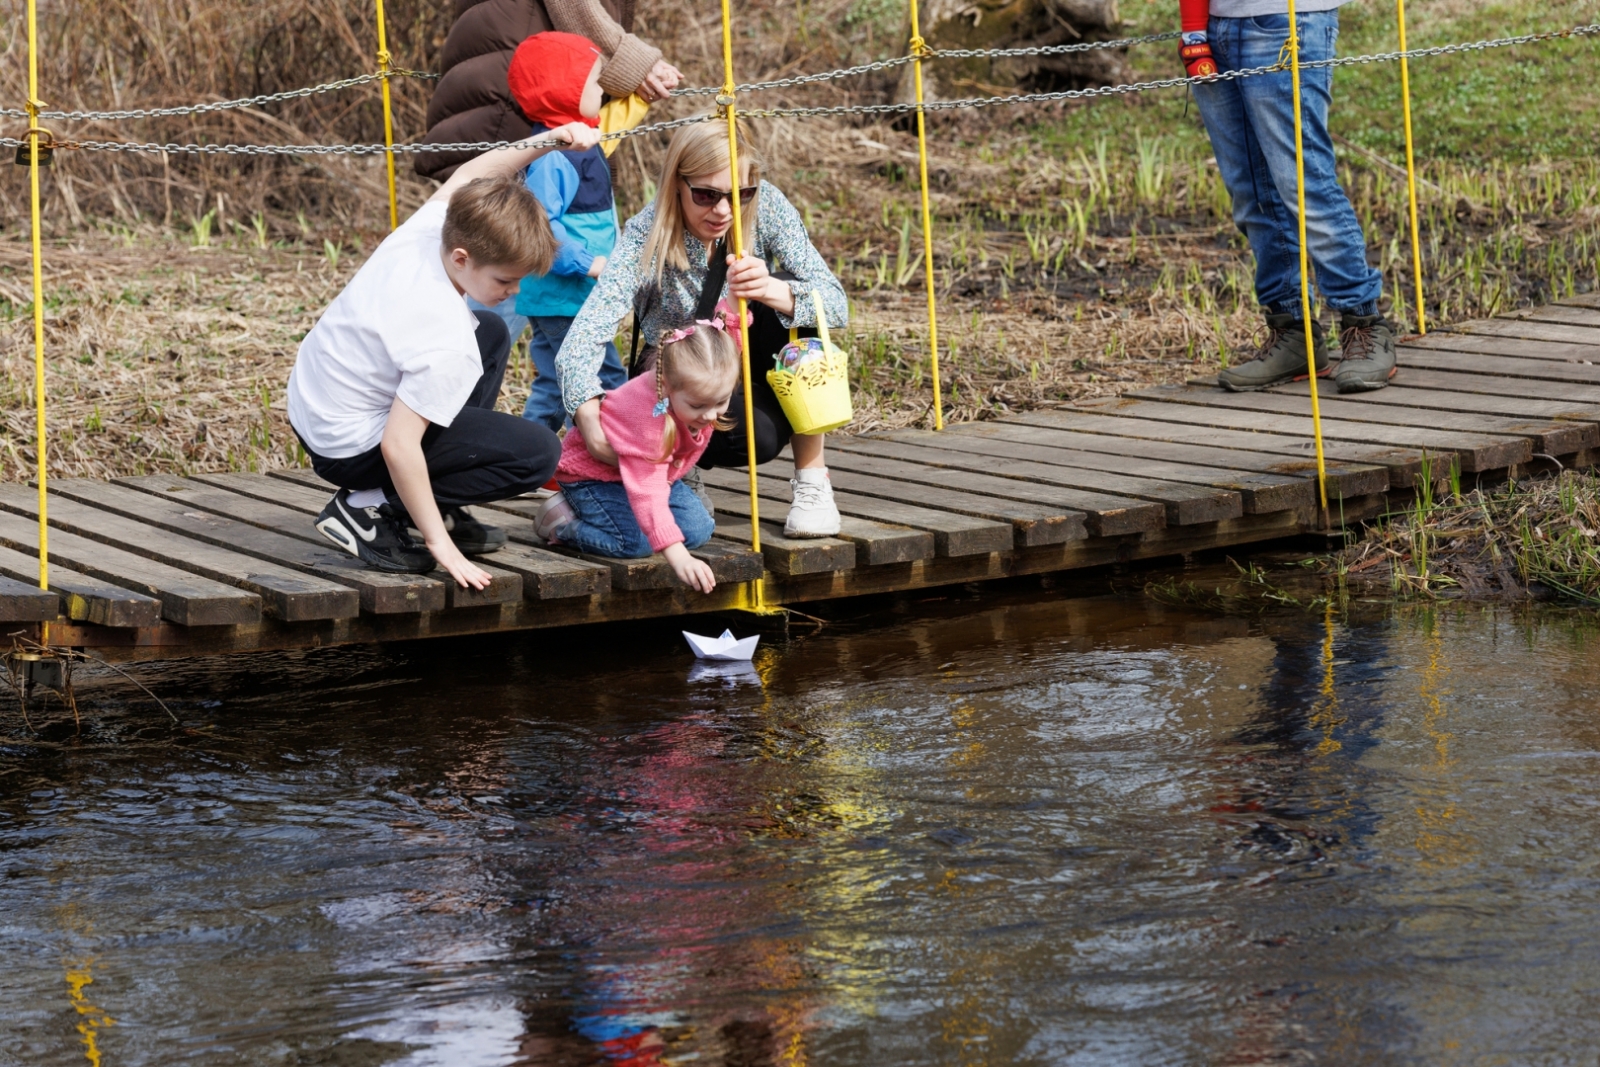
(1582, 300)
(649, 572)
(953, 534)
(1182, 505)
(175, 504)
(1476, 363)
(1533, 411)
(781, 555)
(1294, 451)
(186, 599)
(1037, 514)
(1549, 434)
(1516, 347)
(505, 586)
(545, 575)
(1188, 499)
(1532, 331)
(84, 598)
(789, 556)
(1477, 451)
(285, 594)
(1584, 398)
(21, 601)
(1249, 471)
(1568, 315)
(876, 543)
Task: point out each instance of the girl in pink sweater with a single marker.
(659, 425)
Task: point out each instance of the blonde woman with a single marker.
(663, 268)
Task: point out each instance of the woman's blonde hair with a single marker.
(706, 354)
(693, 152)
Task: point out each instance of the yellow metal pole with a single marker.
(726, 101)
(41, 444)
(388, 117)
(918, 47)
(1305, 262)
(1411, 171)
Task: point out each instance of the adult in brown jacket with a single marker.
(472, 102)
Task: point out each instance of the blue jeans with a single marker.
(1251, 123)
(544, 402)
(604, 524)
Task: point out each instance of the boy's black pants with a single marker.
(482, 456)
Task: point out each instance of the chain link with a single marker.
(340, 149)
(1588, 30)
(224, 105)
(1166, 83)
(928, 53)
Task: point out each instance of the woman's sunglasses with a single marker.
(712, 197)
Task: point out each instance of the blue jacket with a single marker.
(575, 189)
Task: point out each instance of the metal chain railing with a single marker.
(223, 105)
(1092, 92)
(133, 114)
(900, 61)
(337, 149)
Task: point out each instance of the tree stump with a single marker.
(1016, 24)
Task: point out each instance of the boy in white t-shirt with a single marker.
(394, 388)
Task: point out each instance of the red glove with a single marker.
(1195, 50)
(1197, 59)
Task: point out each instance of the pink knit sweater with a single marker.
(636, 435)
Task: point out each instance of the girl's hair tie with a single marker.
(660, 409)
(677, 335)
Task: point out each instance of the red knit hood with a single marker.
(547, 75)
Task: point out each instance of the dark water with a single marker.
(1030, 829)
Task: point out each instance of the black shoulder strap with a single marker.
(716, 278)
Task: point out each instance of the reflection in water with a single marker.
(1047, 831)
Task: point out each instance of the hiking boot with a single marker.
(472, 537)
(376, 536)
(553, 514)
(1281, 357)
(813, 513)
(694, 481)
(1366, 348)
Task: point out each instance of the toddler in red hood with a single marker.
(555, 79)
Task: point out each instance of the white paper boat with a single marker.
(726, 647)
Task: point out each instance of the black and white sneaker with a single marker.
(472, 537)
(373, 535)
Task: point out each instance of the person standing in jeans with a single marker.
(1251, 125)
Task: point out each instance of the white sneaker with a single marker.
(813, 513)
(553, 514)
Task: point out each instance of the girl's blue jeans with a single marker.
(1251, 123)
(603, 523)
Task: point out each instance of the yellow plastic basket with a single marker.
(816, 396)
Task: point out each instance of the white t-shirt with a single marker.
(399, 329)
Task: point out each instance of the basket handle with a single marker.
(822, 320)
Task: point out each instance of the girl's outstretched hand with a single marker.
(694, 573)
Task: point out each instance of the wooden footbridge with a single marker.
(164, 566)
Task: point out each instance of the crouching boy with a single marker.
(394, 388)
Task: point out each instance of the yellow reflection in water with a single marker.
(1440, 841)
(1325, 715)
(90, 1018)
